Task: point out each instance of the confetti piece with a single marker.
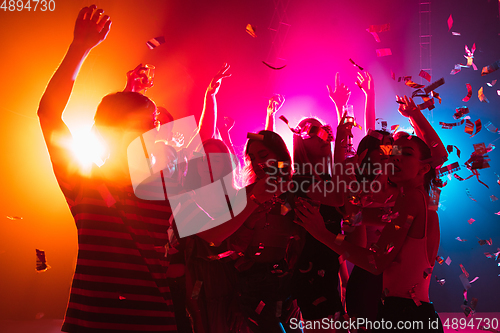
(485, 241)
(121, 298)
(461, 240)
(39, 315)
(455, 33)
(461, 111)
(448, 169)
(412, 84)
(450, 22)
(321, 272)
(383, 52)
(434, 85)
(491, 128)
(14, 218)
(356, 65)
(440, 281)
(492, 83)
(448, 261)
(414, 296)
(469, 127)
(428, 104)
(155, 42)
(493, 198)
(464, 280)
(196, 289)
(251, 30)
(490, 68)
(480, 95)
(449, 148)
(393, 75)
(469, 93)
(427, 272)
(464, 271)
(319, 300)
(272, 67)
(469, 195)
(41, 262)
(456, 69)
(471, 221)
(253, 136)
(470, 56)
(379, 28)
(259, 308)
(440, 260)
(425, 75)
(375, 35)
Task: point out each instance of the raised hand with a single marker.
(228, 123)
(213, 87)
(340, 95)
(138, 80)
(91, 27)
(407, 106)
(365, 82)
(311, 219)
(275, 103)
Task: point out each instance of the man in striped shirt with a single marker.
(120, 280)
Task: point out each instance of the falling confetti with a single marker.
(461, 240)
(469, 93)
(440, 260)
(464, 271)
(272, 67)
(480, 95)
(440, 281)
(492, 83)
(493, 198)
(425, 75)
(471, 221)
(41, 262)
(251, 30)
(455, 33)
(449, 148)
(448, 261)
(355, 64)
(448, 169)
(383, 52)
(485, 241)
(155, 42)
(434, 85)
(14, 218)
(450, 22)
(469, 195)
(491, 128)
(490, 68)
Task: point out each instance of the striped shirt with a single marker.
(120, 280)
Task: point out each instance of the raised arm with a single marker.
(140, 78)
(275, 103)
(208, 120)
(366, 84)
(340, 95)
(423, 129)
(91, 28)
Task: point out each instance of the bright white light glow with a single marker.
(88, 149)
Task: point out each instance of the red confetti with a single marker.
(464, 271)
(383, 52)
(425, 75)
(251, 30)
(469, 93)
(450, 22)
